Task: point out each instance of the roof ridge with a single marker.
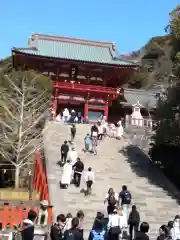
(72, 40)
(138, 90)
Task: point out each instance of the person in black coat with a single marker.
(64, 152)
(94, 131)
(57, 229)
(78, 169)
(74, 233)
(142, 234)
(133, 222)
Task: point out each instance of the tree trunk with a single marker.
(17, 172)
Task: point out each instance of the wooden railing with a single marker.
(84, 88)
(14, 215)
(40, 181)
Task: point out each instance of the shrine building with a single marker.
(87, 76)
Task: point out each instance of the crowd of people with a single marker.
(70, 116)
(122, 221)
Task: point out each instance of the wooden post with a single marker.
(106, 110)
(85, 109)
(54, 104)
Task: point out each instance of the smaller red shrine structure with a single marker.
(86, 75)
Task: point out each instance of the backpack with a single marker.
(127, 197)
(98, 235)
(70, 235)
(112, 200)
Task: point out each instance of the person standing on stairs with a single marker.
(64, 152)
(112, 199)
(98, 232)
(57, 229)
(80, 216)
(142, 234)
(87, 141)
(78, 169)
(125, 199)
(94, 143)
(73, 233)
(94, 131)
(66, 175)
(133, 222)
(73, 132)
(72, 155)
(89, 178)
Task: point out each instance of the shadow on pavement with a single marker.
(143, 167)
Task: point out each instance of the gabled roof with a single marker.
(146, 98)
(73, 49)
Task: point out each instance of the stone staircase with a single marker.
(112, 168)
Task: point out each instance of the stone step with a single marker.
(112, 169)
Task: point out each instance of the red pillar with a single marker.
(106, 110)
(85, 109)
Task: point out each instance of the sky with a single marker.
(130, 24)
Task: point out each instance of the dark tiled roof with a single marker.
(73, 49)
(145, 98)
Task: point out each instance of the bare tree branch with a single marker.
(24, 102)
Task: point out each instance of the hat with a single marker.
(44, 203)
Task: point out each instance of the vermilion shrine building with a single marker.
(87, 75)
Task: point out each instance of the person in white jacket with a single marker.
(89, 179)
(175, 231)
(115, 225)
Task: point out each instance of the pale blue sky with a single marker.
(128, 23)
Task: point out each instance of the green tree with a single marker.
(166, 140)
(173, 29)
(25, 98)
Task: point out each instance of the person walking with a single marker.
(73, 232)
(133, 222)
(73, 132)
(87, 141)
(94, 145)
(142, 234)
(125, 199)
(114, 225)
(28, 226)
(58, 228)
(94, 131)
(89, 178)
(64, 152)
(66, 176)
(98, 232)
(78, 169)
(112, 199)
(163, 233)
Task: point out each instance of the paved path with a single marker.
(113, 168)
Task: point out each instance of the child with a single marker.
(87, 141)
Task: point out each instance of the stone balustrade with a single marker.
(141, 123)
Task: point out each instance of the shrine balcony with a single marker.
(83, 88)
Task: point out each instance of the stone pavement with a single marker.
(112, 168)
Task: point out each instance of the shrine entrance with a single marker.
(76, 106)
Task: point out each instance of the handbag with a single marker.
(115, 230)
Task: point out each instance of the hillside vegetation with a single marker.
(165, 149)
